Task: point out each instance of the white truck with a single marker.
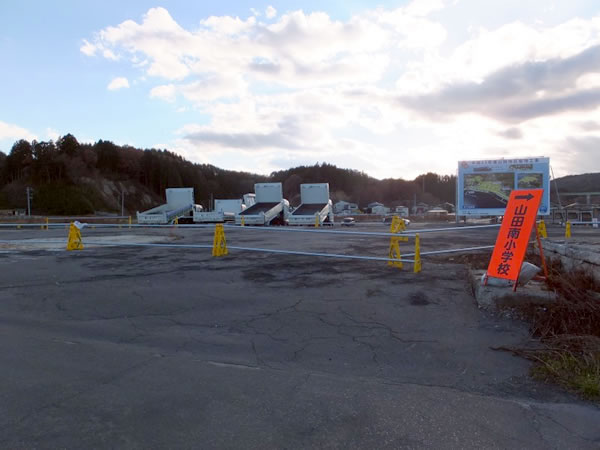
(223, 210)
(314, 202)
(270, 207)
(180, 204)
(249, 199)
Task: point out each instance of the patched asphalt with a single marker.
(127, 347)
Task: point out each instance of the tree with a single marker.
(108, 155)
(68, 144)
(18, 161)
(291, 186)
(45, 166)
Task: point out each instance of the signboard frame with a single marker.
(483, 186)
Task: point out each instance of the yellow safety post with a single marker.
(243, 221)
(74, 240)
(568, 230)
(219, 242)
(45, 227)
(317, 220)
(541, 228)
(176, 221)
(397, 226)
(129, 221)
(417, 263)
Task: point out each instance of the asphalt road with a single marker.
(122, 347)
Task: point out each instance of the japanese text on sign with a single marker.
(513, 237)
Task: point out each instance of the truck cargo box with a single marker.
(314, 204)
(180, 203)
(270, 206)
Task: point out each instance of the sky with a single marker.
(394, 89)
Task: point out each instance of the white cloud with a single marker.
(165, 92)
(87, 48)
(381, 83)
(10, 131)
(51, 133)
(424, 7)
(270, 12)
(118, 83)
(491, 50)
(109, 54)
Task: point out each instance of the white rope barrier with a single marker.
(229, 247)
(410, 233)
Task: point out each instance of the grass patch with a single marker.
(568, 332)
(577, 373)
(572, 362)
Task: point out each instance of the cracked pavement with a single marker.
(171, 348)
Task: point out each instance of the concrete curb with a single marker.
(494, 297)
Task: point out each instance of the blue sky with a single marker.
(395, 89)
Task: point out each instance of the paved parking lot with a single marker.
(140, 347)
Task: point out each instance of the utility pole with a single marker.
(122, 202)
(28, 191)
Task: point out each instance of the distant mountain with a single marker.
(587, 182)
(73, 178)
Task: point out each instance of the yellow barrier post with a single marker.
(219, 242)
(45, 226)
(396, 226)
(541, 228)
(317, 220)
(568, 230)
(417, 263)
(176, 221)
(129, 221)
(243, 221)
(74, 240)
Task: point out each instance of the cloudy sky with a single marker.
(394, 90)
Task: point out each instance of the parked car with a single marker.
(348, 222)
(388, 220)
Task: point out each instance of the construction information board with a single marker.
(513, 237)
(483, 187)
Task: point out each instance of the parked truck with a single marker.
(314, 205)
(270, 207)
(180, 205)
(249, 199)
(224, 210)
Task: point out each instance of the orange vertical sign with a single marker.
(513, 238)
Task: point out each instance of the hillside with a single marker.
(587, 182)
(73, 178)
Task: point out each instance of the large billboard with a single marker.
(483, 187)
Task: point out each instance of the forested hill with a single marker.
(586, 182)
(69, 177)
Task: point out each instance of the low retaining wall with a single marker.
(575, 255)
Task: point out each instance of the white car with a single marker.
(348, 222)
(388, 220)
